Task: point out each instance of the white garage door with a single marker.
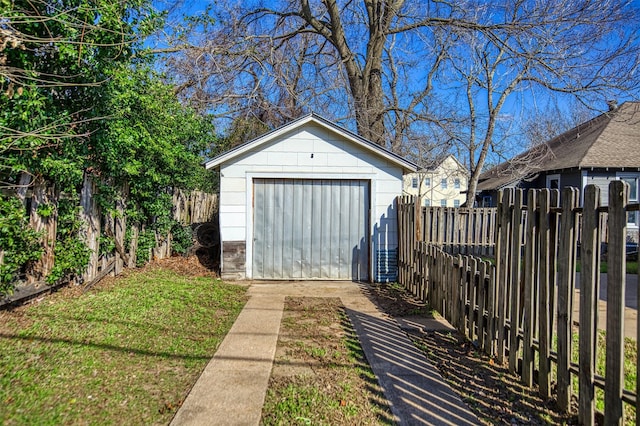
(311, 229)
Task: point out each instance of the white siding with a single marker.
(309, 152)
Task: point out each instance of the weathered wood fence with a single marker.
(459, 230)
(189, 208)
(519, 309)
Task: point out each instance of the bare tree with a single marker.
(402, 71)
(524, 51)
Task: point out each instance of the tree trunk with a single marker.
(45, 221)
(90, 232)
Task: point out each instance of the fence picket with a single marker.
(616, 277)
(566, 272)
(544, 324)
(504, 274)
(529, 296)
(589, 284)
(482, 304)
(514, 290)
(530, 276)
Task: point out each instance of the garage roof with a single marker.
(406, 165)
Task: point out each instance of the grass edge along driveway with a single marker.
(128, 350)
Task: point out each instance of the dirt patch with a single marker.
(191, 266)
(320, 375)
(495, 396)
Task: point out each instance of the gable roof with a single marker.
(323, 122)
(441, 161)
(610, 140)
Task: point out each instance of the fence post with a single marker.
(502, 254)
(530, 277)
(47, 196)
(566, 280)
(482, 294)
(90, 215)
(491, 313)
(473, 292)
(589, 284)
(616, 270)
(120, 226)
(544, 324)
(516, 248)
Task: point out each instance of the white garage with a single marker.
(309, 200)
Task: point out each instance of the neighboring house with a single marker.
(595, 152)
(309, 200)
(444, 184)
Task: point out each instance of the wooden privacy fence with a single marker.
(519, 309)
(189, 208)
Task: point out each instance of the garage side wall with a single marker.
(310, 152)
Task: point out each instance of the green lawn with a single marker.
(125, 353)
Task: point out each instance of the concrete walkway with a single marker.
(630, 309)
(232, 388)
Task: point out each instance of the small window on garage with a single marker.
(414, 182)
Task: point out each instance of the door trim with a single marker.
(250, 176)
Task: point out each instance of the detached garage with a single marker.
(310, 200)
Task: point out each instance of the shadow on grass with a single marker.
(104, 346)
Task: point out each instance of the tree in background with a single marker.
(397, 71)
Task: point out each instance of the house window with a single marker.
(427, 181)
(443, 203)
(443, 184)
(427, 202)
(456, 184)
(553, 181)
(632, 217)
(456, 203)
(414, 182)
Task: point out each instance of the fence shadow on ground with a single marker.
(415, 389)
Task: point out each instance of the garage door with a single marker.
(311, 229)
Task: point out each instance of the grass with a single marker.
(336, 385)
(632, 267)
(630, 357)
(131, 350)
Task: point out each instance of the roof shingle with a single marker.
(610, 140)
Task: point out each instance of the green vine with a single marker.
(71, 253)
(182, 238)
(19, 243)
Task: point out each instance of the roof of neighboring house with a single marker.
(323, 122)
(610, 140)
(440, 161)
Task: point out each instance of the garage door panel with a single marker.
(305, 229)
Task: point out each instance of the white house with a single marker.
(309, 200)
(443, 185)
